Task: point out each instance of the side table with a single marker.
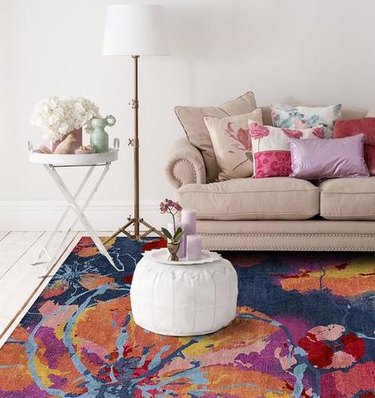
(183, 300)
(53, 162)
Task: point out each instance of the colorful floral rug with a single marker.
(305, 328)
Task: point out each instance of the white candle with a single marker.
(181, 251)
(189, 220)
(193, 247)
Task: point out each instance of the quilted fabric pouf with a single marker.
(184, 300)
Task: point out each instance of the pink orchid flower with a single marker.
(169, 206)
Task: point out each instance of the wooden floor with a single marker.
(20, 281)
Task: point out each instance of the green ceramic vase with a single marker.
(99, 137)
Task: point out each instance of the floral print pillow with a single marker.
(231, 141)
(302, 117)
(271, 154)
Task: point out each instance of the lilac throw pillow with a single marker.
(328, 158)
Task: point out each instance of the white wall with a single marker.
(299, 51)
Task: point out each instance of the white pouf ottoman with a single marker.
(183, 300)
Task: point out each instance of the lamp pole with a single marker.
(135, 144)
(136, 220)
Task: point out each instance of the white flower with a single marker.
(58, 117)
(83, 111)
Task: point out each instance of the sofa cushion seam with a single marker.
(286, 234)
(248, 192)
(348, 215)
(200, 216)
(347, 193)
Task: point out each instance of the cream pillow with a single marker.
(191, 119)
(232, 143)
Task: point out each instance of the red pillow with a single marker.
(366, 126)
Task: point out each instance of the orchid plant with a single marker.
(172, 208)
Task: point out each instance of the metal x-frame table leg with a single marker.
(72, 204)
(58, 225)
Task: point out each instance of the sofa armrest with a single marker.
(185, 164)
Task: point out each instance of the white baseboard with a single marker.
(43, 215)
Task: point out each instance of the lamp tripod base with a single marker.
(135, 233)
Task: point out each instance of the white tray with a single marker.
(161, 256)
(82, 159)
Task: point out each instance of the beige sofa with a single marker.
(277, 213)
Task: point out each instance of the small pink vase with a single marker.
(77, 135)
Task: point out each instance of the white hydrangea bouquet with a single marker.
(58, 117)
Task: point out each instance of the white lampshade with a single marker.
(135, 30)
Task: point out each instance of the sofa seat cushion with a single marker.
(348, 199)
(278, 198)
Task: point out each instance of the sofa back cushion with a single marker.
(231, 140)
(366, 126)
(191, 118)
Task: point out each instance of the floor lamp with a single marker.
(135, 30)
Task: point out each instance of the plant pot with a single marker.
(173, 249)
(77, 134)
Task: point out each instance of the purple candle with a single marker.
(181, 251)
(189, 220)
(193, 247)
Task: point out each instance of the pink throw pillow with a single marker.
(366, 126)
(328, 158)
(271, 154)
